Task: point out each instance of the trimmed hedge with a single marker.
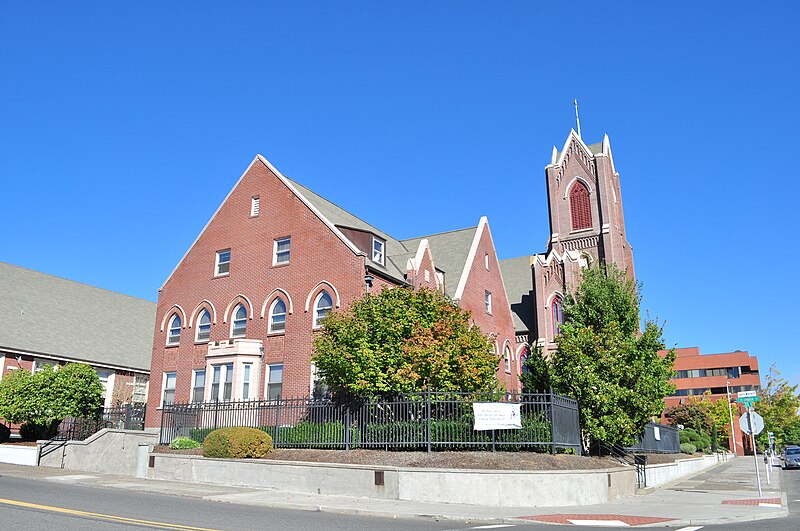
(5, 433)
(688, 448)
(700, 440)
(238, 443)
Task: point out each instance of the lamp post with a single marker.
(730, 414)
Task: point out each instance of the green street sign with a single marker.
(747, 400)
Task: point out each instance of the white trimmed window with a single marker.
(277, 316)
(274, 381)
(377, 251)
(222, 382)
(486, 261)
(255, 206)
(139, 395)
(282, 251)
(199, 385)
(169, 388)
(246, 381)
(487, 297)
(223, 265)
(39, 364)
(204, 326)
(507, 359)
(239, 325)
(427, 275)
(322, 306)
(174, 330)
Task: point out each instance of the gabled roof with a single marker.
(594, 149)
(450, 251)
(47, 315)
(518, 279)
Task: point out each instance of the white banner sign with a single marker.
(496, 416)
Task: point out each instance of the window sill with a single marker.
(172, 345)
(222, 275)
(282, 264)
(274, 334)
(202, 342)
(577, 231)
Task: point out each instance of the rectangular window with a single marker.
(486, 261)
(223, 262)
(39, 364)
(282, 251)
(222, 382)
(169, 388)
(377, 251)
(139, 389)
(199, 389)
(274, 381)
(246, 381)
(255, 206)
(488, 301)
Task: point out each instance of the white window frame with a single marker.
(247, 375)
(287, 252)
(379, 253)
(218, 263)
(226, 374)
(507, 359)
(194, 385)
(174, 339)
(271, 324)
(487, 299)
(317, 317)
(234, 319)
(255, 206)
(486, 261)
(197, 337)
(164, 388)
(269, 383)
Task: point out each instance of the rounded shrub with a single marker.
(238, 443)
(183, 443)
(688, 448)
(5, 433)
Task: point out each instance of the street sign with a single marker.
(747, 400)
(755, 420)
(745, 394)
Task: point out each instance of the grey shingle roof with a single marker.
(341, 217)
(43, 314)
(449, 251)
(518, 278)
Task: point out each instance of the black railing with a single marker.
(657, 439)
(128, 417)
(425, 421)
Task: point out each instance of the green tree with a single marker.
(612, 370)
(400, 341)
(778, 405)
(45, 398)
(721, 412)
(692, 414)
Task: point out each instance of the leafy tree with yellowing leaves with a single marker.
(401, 340)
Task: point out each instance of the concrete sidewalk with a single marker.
(725, 493)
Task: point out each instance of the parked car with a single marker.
(791, 457)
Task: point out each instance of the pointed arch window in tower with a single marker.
(580, 209)
(558, 315)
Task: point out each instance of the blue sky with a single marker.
(124, 127)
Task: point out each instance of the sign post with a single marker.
(751, 423)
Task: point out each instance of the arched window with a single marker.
(558, 315)
(507, 359)
(174, 334)
(322, 306)
(277, 316)
(579, 207)
(239, 328)
(204, 326)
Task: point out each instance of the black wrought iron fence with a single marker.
(425, 421)
(657, 439)
(128, 417)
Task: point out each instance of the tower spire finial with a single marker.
(577, 119)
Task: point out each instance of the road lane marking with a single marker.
(99, 516)
(598, 523)
(492, 526)
(690, 528)
(775, 505)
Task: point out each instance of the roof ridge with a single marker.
(63, 279)
(439, 233)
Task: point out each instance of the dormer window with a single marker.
(377, 251)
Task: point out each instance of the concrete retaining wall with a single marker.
(658, 475)
(475, 487)
(18, 455)
(108, 451)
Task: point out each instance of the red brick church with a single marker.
(237, 316)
